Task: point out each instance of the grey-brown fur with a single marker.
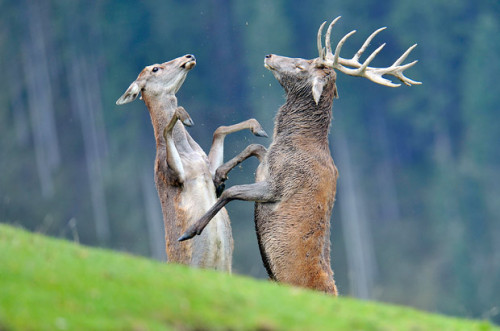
(296, 181)
(294, 234)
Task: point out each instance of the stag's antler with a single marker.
(362, 69)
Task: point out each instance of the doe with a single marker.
(183, 172)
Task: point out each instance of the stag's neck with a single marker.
(161, 109)
(300, 116)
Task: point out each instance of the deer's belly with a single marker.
(213, 248)
(295, 226)
(197, 196)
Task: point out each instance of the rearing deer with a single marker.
(296, 182)
(183, 172)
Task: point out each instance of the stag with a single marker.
(183, 172)
(296, 181)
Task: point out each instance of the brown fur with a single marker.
(183, 172)
(170, 190)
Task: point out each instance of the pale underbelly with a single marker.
(213, 248)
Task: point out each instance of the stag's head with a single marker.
(301, 77)
(295, 74)
(159, 79)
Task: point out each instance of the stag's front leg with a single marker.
(220, 177)
(216, 154)
(173, 158)
(259, 192)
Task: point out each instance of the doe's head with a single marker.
(157, 79)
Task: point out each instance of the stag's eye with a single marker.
(155, 69)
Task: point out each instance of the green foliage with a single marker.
(50, 284)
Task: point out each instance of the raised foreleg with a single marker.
(259, 192)
(174, 161)
(220, 177)
(216, 154)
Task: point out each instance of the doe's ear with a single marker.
(130, 94)
(317, 88)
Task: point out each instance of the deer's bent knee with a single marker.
(220, 131)
(258, 148)
(228, 194)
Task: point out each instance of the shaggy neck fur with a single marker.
(300, 115)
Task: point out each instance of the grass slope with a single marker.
(49, 284)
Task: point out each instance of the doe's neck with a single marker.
(161, 109)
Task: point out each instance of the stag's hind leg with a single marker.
(259, 192)
(216, 154)
(256, 150)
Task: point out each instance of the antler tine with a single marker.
(339, 47)
(395, 71)
(327, 36)
(406, 66)
(408, 82)
(399, 74)
(370, 58)
(367, 43)
(320, 45)
(404, 56)
(398, 68)
(353, 67)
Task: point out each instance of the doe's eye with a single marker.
(155, 69)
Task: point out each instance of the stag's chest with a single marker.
(290, 165)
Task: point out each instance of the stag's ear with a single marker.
(130, 94)
(317, 87)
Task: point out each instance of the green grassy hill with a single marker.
(49, 284)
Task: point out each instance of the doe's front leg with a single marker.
(174, 161)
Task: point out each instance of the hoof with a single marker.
(185, 236)
(261, 133)
(188, 122)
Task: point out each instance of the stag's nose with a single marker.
(268, 56)
(190, 56)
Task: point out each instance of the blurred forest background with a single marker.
(416, 220)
